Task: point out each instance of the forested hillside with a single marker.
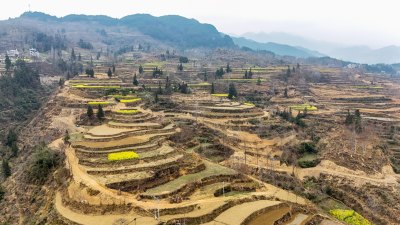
(175, 30)
(20, 94)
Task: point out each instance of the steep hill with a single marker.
(174, 30)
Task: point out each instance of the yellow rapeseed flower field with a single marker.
(122, 156)
(349, 216)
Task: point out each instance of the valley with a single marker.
(146, 132)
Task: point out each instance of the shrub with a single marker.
(307, 147)
(122, 156)
(44, 160)
(92, 192)
(308, 160)
(183, 59)
(11, 137)
(100, 112)
(232, 93)
(2, 193)
(14, 149)
(349, 216)
(89, 111)
(85, 44)
(6, 168)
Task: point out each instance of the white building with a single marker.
(352, 66)
(13, 53)
(33, 52)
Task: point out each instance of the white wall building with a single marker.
(13, 53)
(33, 52)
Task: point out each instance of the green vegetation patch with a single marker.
(212, 169)
(128, 111)
(308, 160)
(367, 87)
(220, 95)
(242, 80)
(118, 156)
(204, 84)
(75, 137)
(349, 216)
(304, 106)
(41, 164)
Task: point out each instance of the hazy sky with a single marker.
(361, 22)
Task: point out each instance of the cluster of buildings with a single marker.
(16, 54)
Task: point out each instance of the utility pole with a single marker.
(157, 211)
(257, 158)
(245, 155)
(223, 188)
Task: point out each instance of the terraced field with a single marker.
(161, 183)
(209, 171)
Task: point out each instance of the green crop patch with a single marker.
(367, 87)
(302, 107)
(219, 95)
(200, 84)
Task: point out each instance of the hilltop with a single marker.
(172, 30)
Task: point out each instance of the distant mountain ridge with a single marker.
(173, 29)
(359, 54)
(293, 40)
(279, 49)
(364, 54)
